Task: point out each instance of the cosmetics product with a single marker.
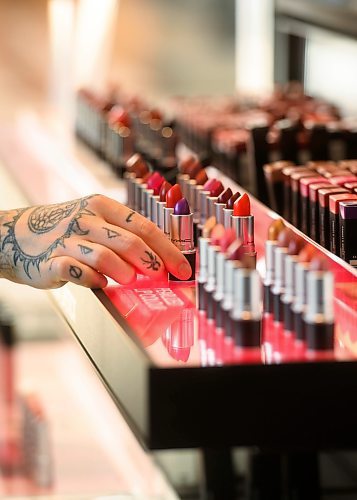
(199, 180)
(243, 224)
(322, 166)
(271, 243)
(295, 245)
(155, 198)
(305, 201)
(210, 285)
(136, 168)
(227, 238)
(246, 314)
(286, 173)
(164, 189)
(348, 231)
(341, 180)
(278, 288)
(191, 171)
(228, 210)
(181, 235)
(172, 197)
(334, 202)
(295, 179)
(350, 185)
(139, 185)
(180, 336)
(300, 284)
(273, 173)
(323, 208)
(207, 190)
(314, 209)
(319, 313)
(203, 244)
(153, 188)
(221, 203)
(216, 190)
(183, 166)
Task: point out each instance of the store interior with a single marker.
(74, 411)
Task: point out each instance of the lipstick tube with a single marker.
(271, 243)
(280, 253)
(203, 244)
(305, 201)
(296, 216)
(299, 300)
(181, 235)
(287, 298)
(319, 316)
(348, 232)
(334, 202)
(146, 201)
(210, 285)
(129, 178)
(160, 214)
(202, 204)
(246, 314)
(228, 302)
(244, 228)
(286, 173)
(323, 208)
(314, 209)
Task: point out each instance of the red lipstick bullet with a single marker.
(221, 203)
(243, 224)
(228, 210)
(172, 197)
(161, 203)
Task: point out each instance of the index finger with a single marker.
(118, 214)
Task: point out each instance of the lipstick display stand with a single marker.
(176, 379)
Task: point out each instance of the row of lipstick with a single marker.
(319, 198)
(297, 294)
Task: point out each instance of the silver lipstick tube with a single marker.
(279, 259)
(211, 209)
(300, 296)
(191, 186)
(247, 296)
(129, 178)
(219, 289)
(244, 228)
(227, 217)
(203, 209)
(181, 180)
(154, 201)
(270, 246)
(167, 220)
(160, 214)
(203, 245)
(196, 202)
(138, 186)
(181, 231)
(218, 212)
(147, 194)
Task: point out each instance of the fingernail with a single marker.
(184, 270)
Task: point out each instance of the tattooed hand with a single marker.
(83, 241)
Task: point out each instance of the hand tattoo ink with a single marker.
(75, 272)
(85, 250)
(129, 217)
(110, 233)
(151, 262)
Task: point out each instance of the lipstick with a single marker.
(341, 180)
(295, 179)
(323, 208)
(136, 168)
(280, 252)
(172, 197)
(314, 209)
(210, 285)
(243, 224)
(216, 190)
(348, 231)
(295, 245)
(227, 238)
(184, 166)
(228, 211)
(153, 188)
(271, 243)
(273, 173)
(180, 336)
(203, 244)
(350, 185)
(181, 235)
(139, 186)
(305, 201)
(300, 296)
(319, 313)
(287, 173)
(246, 314)
(192, 185)
(161, 203)
(334, 202)
(221, 203)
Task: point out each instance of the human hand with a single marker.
(83, 241)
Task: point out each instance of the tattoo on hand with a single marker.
(110, 233)
(85, 250)
(75, 272)
(130, 216)
(42, 220)
(151, 262)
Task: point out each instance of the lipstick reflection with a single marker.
(179, 337)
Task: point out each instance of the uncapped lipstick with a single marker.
(216, 190)
(295, 179)
(136, 168)
(271, 243)
(139, 186)
(314, 209)
(228, 210)
(203, 244)
(153, 188)
(334, 202)
(246, 314)
(295, 245)
(172, 197)
(210, 285)
(192, 171)
(324, 220)
(287, 173)
(243, 224)
(194, 186)
(299, 296)
(348, 232)
(319, 312)
(202, 207)
(181, 235)
(280, 253)
(221, 203)
(184, 165)
(180, 336)
(165, 187)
